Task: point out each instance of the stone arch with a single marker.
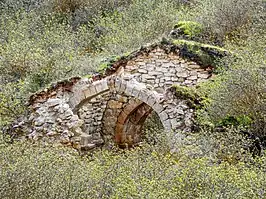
(148, 100)
(130, 122)
(120, 85)
(87, 92)
(149, 97)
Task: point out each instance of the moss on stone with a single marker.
(203, 54)
(190, 94)
(184, 92)
(107, 63)
(88, 76)
(189, 29)
(199, 45)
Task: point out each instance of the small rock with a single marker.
(53, 102)
(51, 133)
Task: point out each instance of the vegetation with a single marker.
(206, 55)
(188, 29)
(31, 171)
(45, 41)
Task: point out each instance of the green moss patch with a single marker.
(204, 54)
(107, 64)
(88, 76)
(188, 93)
(189, 29)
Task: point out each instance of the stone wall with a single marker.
(160, 70)
(92, 112)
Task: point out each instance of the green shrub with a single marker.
(228, 19)
(12, 99)
(239, 91)
(29, 170)
(141, 23)
(188, 29)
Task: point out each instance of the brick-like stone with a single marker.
(148, 77)
(167, 65)
(163, 116)
(143, 71)
(192, 77)
(89, 91)
(182, 74)
(122, 86)
(204, 75)
(122, 117)
(101, 87)
(155, 73)
(158, 107)
(161, 69)
(151, 100)
(194, 66)
(167, 125)
(143, 95)
(114, 104)
(135, 92)
(53, 102)
(129, 89)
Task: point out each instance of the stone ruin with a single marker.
(111, 108)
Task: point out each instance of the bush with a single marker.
(29, 170)
(36, 50)
(141, 23)
(227, 19)
(187, 30)
(239, 91)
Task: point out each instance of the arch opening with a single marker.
(130, 127)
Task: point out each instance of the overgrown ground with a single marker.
(42, 41)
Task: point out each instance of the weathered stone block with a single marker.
(187, 82)
(167, 125)
(155, 73)
(123, 87)
(141, 63)
(158, 107)
(89, 91)
(114, 104)
(101, 86)
(143, 71)
(135, 92)
(118, 82)
(163, 116)
(192, 78)
(167, 64)
(147, 77)
(169, 74)
(143, 95)
(204, 75)
(129, 89)
(121, 98)
(194, 66)
(183, 65)
(151, 100)
(150, 67)
(182, 74)
(53, 102)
